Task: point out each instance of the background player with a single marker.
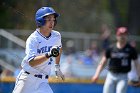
(120, 55)
(43, 44)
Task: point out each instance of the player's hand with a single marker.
(134, 83)
(94, 79)
(54, 52)
(58, 72)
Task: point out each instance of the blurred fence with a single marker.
(81, 41)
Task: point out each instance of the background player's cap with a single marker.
(121, 30)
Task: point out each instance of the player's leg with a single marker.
(121, 86)
(44, 88)
(19, 87)
(25, 83)
(20, 83)
(110, 84)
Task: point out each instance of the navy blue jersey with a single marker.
(120, 59)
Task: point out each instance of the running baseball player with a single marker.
(119, 57)
(43, 44)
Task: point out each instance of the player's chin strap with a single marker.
(58, 72)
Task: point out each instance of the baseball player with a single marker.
(120, 56)
(41, 46)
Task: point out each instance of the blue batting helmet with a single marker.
(42, 12)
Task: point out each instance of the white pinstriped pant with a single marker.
(27, 83)
(115, 82)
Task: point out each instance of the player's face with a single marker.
(50, 21)
(122, 37)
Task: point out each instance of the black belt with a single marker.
(38, 76)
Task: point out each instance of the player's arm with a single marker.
(134, 55)
(54, 52)
(31, 51)
(99, 68)
(31, 47)
(57, 59)
(57, 66)
(137, 65)
(38, 60)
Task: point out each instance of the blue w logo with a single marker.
(44, 49)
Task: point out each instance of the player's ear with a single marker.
(55, 22)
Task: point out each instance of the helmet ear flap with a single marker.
(40, 21)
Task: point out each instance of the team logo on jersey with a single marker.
(44, 49)
(119, 55)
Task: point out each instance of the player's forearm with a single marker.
(99, 69)
(101, 66)
(137, 65)
(38, 60)
(57, 59)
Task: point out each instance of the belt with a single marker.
(38, 76)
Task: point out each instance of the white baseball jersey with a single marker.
(37, 44)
